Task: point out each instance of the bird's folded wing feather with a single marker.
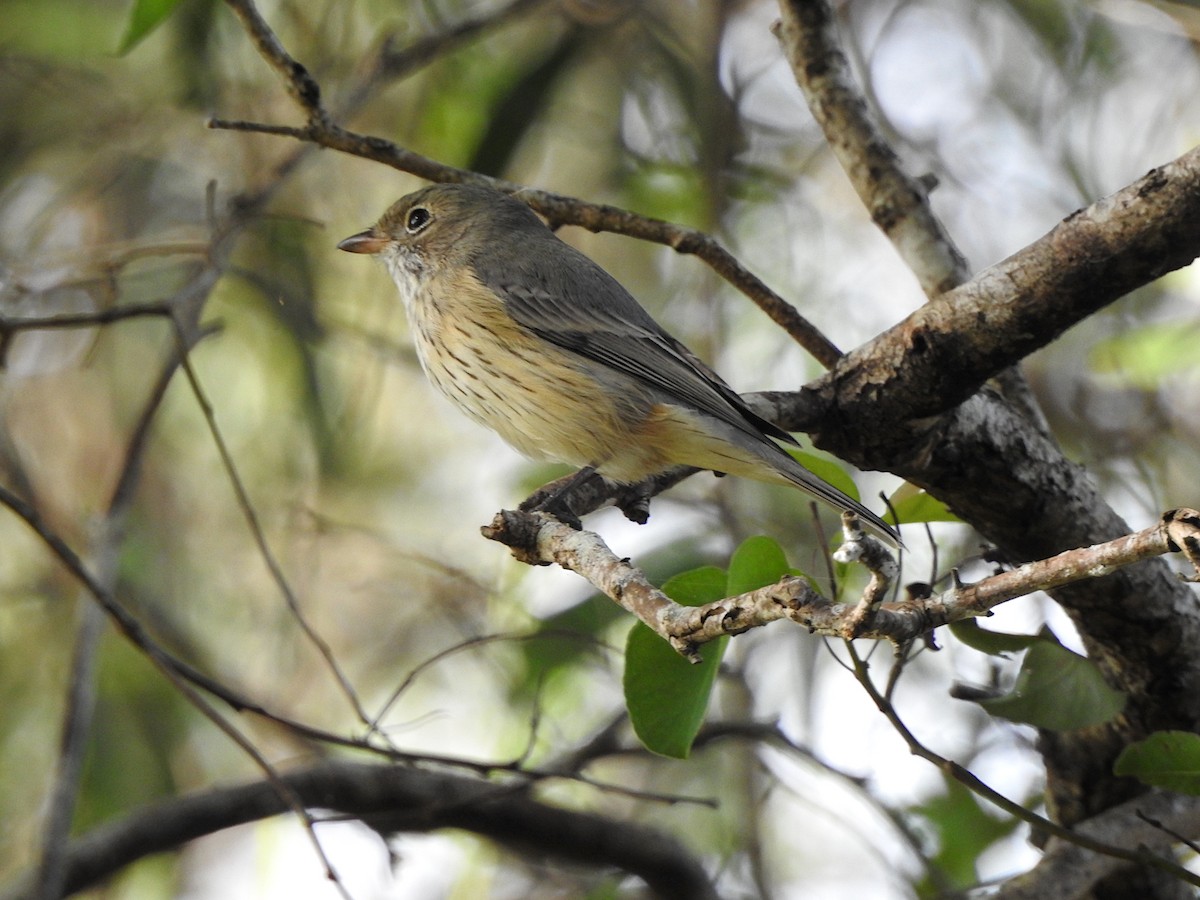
(585, 310)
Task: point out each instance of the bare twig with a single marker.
(540, 539)
(300, 84)
(898, 203)
(181, 676)
(264, 547)
(964, 776)
(68, 770)
(469, 644)
(11, 326)
(81, 696)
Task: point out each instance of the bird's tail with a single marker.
(824, 491)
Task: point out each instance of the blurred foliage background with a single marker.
(370, 489)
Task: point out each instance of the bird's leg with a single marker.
(554, 498)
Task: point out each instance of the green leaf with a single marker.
(697, 586)
(827, 470)
(918, 506)
(991, 642)
(564, 640)
(666, 695)
(759, 561)
(1166, 759)
(964, 830)
(1058, 690)
(145, 16)
(1143, 357)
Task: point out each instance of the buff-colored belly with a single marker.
(541, 399)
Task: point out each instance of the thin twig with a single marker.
(171, 667)
(469, 644)
(300, 84)
(78, 712)
(260, 539)
(972, 782)
(81, 696)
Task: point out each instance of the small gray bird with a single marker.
(534, 340)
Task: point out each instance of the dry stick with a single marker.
(469, 644)
(78, 715)
(11, 326)
(898, 204)
(975, 785)
(300, 84)
(537, 538)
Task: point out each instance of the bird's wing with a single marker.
(580, 307)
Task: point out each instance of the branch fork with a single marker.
(538, 538)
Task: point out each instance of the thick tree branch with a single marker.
(1067, 870)
(947, 349)
(898, 203)
(392, 799)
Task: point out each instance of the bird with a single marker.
(533, 339)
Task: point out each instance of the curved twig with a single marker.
(393, 799)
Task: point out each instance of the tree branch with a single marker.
(898, 204)
(540, 539)
(1116, 849)
(1068, 870)
(559, 209)
(392, 799)
(947, 349)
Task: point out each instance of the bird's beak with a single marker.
(363, 242)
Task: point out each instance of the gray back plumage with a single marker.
(567, 299)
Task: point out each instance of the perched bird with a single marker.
(534, 340)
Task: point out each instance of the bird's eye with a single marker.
(418, 219)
